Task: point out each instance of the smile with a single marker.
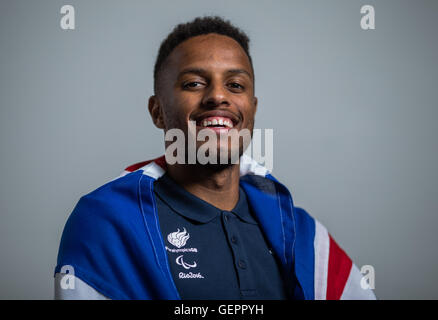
(219, 122)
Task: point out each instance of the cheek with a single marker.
(248, 111)
(178, 111)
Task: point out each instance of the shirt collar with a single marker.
(194, 208)
(242, 209)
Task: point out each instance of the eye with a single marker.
(191, 85)
(236, 86)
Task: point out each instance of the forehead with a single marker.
(211, 51)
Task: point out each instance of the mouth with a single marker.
(219, 121)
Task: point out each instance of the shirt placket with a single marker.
(241, 262)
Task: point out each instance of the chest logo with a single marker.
(178, 238)
(185, 265)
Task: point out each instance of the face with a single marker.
(207, 79)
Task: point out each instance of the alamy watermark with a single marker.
(67, 21)
(223, 150)
(68, 277)
(368, 279)
(367, 21)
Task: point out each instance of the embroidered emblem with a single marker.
(179, 260)
(178, 238)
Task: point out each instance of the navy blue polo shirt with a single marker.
(215, 254)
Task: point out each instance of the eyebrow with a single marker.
(201, 72)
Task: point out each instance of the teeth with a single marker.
(216, 122)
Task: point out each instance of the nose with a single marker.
(215, 96)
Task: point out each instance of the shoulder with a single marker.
(105, 211)
(335, 276)
(108, 201)
(103, 235)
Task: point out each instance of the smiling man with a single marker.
(191, 229)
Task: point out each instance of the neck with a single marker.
(215, 184)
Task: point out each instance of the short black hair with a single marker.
(199, 26)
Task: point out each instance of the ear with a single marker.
(156, 112)
(255, 101)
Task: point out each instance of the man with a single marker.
(199, 230)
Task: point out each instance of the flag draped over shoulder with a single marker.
(113, 241)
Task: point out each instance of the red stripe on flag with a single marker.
(339, 267)
(161, 161)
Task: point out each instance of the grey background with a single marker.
(354, 115)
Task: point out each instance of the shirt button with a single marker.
(242, 264)
(225, 216)
(233, 239)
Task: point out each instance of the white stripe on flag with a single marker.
(322, 248)
(153, 170)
